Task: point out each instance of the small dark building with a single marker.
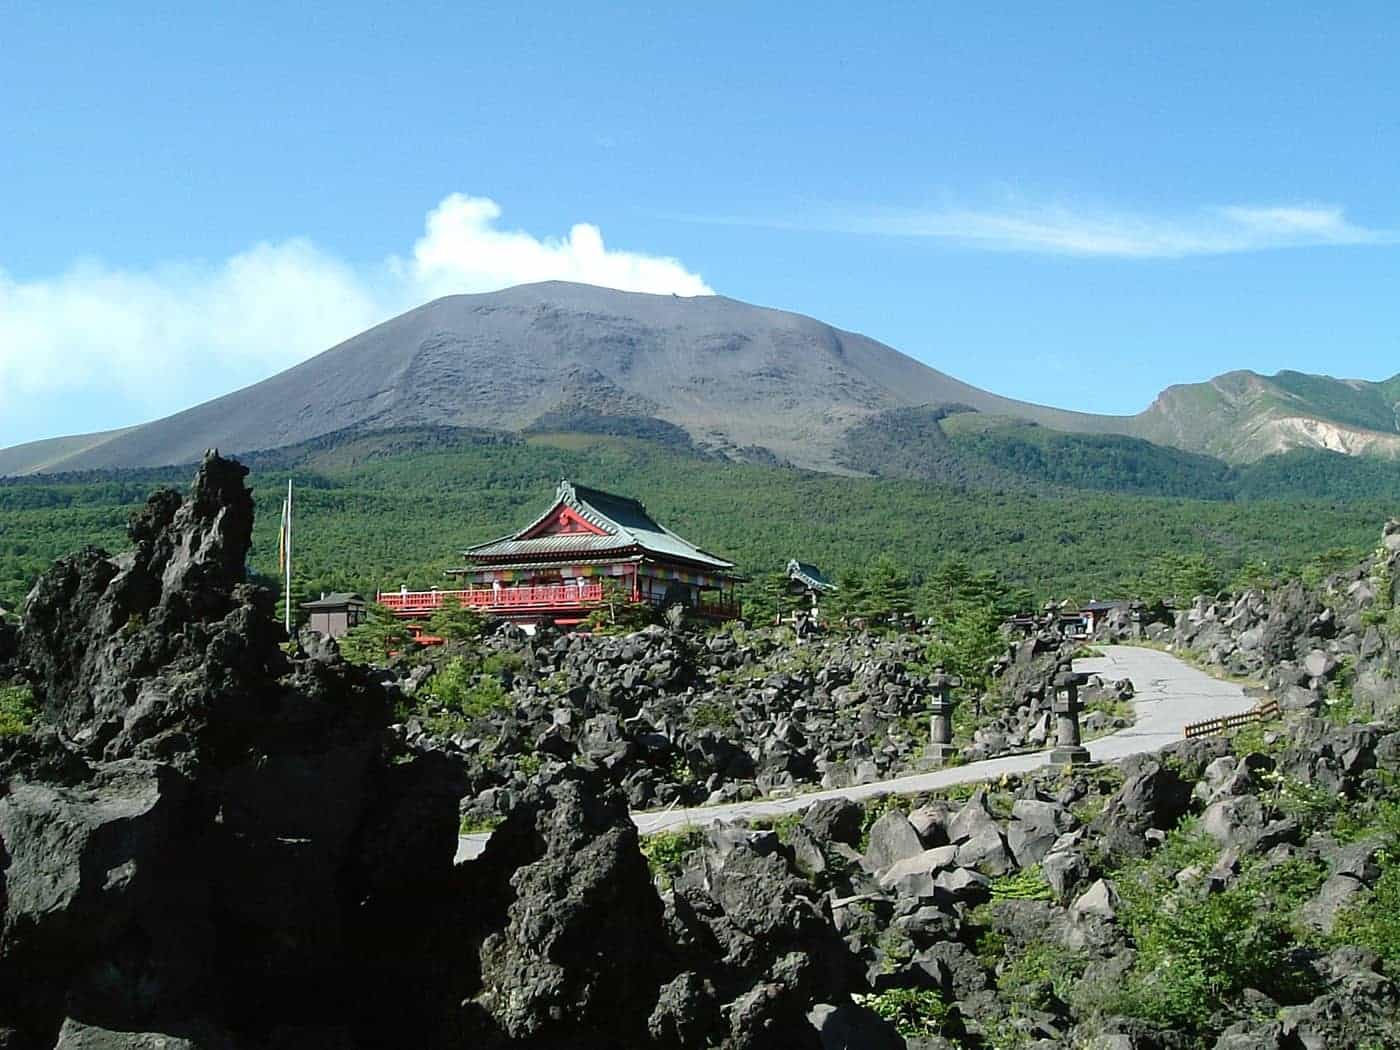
(334, 614)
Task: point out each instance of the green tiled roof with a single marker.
(809, 575)
(624, 521)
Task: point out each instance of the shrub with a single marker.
(1371, 820)
(1311, 806)
(1041, 974)
(1375, 923)
(666, 850)
(485, 696)
(914, 1012)
(712, 715)
(456, 624)
(457, 687)
(1197, 951)
(377, 638)
(1259, 738)
(679, 770)
(475, 825)
(502, 663)
(445, 723)
(17, 710)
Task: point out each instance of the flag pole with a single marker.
(288, 561)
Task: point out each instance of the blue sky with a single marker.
(1072, 204)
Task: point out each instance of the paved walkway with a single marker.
(1169, 694)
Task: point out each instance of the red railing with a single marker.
(549, 596)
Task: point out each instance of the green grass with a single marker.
(474, 825)
(1028, 884)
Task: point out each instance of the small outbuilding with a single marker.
(806, 580)
(1092, 614)
(334, 614)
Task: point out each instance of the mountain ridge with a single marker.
(739, 380)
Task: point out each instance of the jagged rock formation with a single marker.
(203, 823)
(575, 950)
(210, 843)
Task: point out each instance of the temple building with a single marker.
(589, 548)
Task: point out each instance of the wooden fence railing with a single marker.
(1265, 711)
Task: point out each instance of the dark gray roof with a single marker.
(809, 575)
(334, 600)
(1098, 606)
(624, 521)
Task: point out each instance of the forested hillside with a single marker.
(383, 509)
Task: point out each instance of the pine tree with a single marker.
(377, 638)
(300, 592)
(1178, 578)
(456, 624)
(770, 597)
(850, 597)
(968, 640)
(887, 595)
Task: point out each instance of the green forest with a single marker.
(380, 510)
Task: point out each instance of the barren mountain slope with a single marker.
(731, 374)
(734, 378)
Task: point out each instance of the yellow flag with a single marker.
(282, 538)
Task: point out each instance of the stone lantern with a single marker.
(941, 747)
(1138, 611)
(1068, 750)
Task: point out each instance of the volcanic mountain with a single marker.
(724, 376)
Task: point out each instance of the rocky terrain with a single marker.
(1333, 646)
(677, 717)
(212, 839)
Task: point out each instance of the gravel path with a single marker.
(1169, 694)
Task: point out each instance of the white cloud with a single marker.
(155, 341)
(1060, 229)
(463, 250)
